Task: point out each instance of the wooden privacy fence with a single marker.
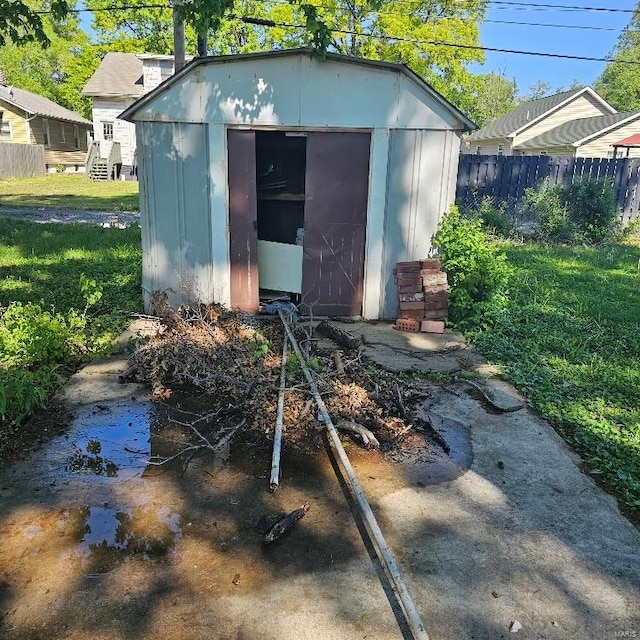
(21, 160)
(504, 178)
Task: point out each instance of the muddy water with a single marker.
(97, 543)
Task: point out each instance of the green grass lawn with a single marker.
(63, 191)
(569, 338)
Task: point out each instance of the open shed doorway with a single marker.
(281, 159)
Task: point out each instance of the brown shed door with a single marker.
(336, 187)
(243, 216)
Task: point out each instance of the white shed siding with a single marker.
(599, 147)
(177, 227)
(108, 110)
(420, 188)
(583, 106)
(298, 91)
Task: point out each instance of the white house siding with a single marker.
(582, 106)
(490, 147)
(600, 147)
(108, 110)
(421, 186)
(154, 72)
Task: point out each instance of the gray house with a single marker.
(280, 172)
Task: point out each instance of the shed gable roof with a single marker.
(199, 66)
(530, 112)
(577, 132)
(39, 105)
(119, 74)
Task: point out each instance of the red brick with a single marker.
(408, 278)
(432, 296)
(432, 326)
(435, 288)
(410, 288)
(431, 263)
(407, 324)
(416, 314)
(431, 278)
(436, 304)
(412, 305)
(407, 267)
(414, 296)
(437, 314)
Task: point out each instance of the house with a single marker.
(119, 80)
(281, 172)
(578, 123)
(28, 118)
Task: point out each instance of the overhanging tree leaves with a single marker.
(21, 23)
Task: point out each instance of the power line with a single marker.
(556, 7)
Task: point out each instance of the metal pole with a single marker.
(277, 434)
(386, 556)
(178, 37)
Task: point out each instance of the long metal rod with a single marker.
(277, 434)
(413, 618)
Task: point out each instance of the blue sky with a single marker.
(581, 42)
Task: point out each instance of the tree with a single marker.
(21, 23)
(619, 83)
(60, 70)
(495, 95)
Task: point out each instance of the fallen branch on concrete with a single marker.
(286, 523)
(369, 440)
(489, 399)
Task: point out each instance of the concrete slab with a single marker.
(522, 536)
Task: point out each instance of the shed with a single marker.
(282, 172)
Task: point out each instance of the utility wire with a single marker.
(556, 7)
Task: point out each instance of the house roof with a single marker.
(39, 105)
(119, 74)
(129, 113)
(631, 141)
(577, 132)
(531, 111)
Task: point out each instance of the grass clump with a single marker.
(66, 292)
(567, 337)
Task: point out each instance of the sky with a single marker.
(559, 73)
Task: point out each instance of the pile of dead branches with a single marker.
(233, 359)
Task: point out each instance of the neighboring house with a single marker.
(577, 123)
(282, 172)
(28, 118)
(117, 83)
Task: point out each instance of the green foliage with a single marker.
(476, 269)
(494, 217)
(592, 207)
(494, 96)
(619, 84)
(258, 346)
(20, 23)
(584, 210)
(292, 365)
(567, 336)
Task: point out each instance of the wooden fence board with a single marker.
(21, 160)
(505, 178)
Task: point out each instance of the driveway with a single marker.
(520, 540)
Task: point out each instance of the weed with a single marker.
(258, 346)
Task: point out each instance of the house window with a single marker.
(63, 137)
(500, 149)
(544, 152)
(76, 136)
(610, 153)
(5, 128)
(107, 130)
(46, 135)
(478, 150)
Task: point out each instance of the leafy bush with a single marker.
(584, 210)
(591, 205)
(477, 271)
(494, 217)
(546, 206)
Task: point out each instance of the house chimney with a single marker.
(3, 78)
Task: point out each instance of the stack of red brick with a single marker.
(422, 296)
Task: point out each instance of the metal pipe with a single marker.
(277, 434)
(413, 618)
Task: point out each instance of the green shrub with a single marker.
(546, 206)
(494, 217)
(477, 271)
(592, 207)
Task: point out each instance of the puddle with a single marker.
(109, 536)
(106, 440)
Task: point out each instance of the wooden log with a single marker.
(281, 527)
(341, 337)
(369, 440)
